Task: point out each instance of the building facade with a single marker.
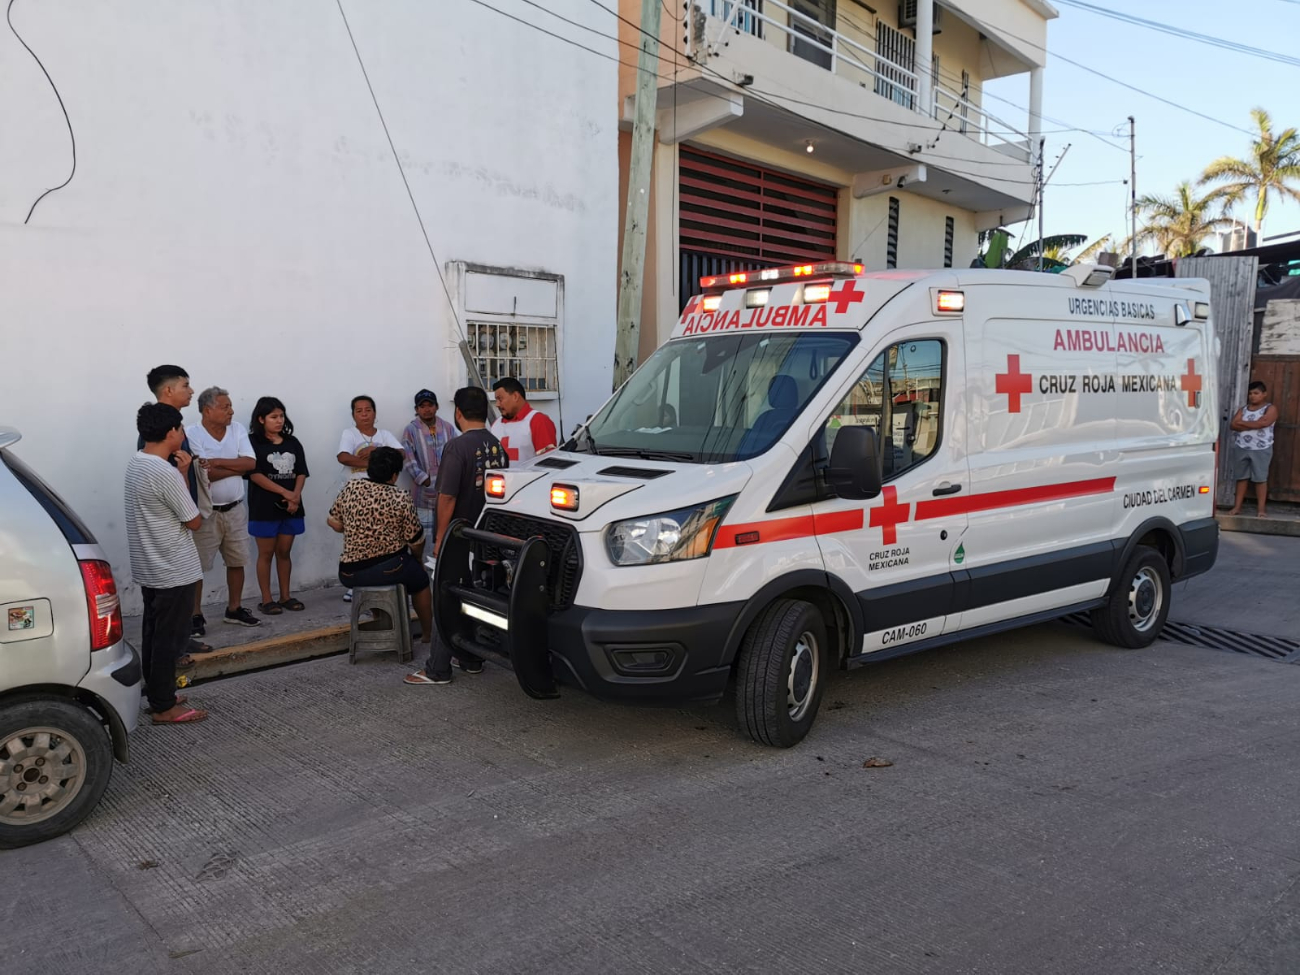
(254, 185)
(803, 130)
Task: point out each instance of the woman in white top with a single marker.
(1253, 437)
(361, 438)
(358, 441)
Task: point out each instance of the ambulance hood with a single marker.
(611, 488)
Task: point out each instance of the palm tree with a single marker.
(1270, 169)
(1180, 222)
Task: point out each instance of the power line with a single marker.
(71, 135)
(1185, 34)
(1113, 80)
(437, 265)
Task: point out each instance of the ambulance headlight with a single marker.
(673, 536)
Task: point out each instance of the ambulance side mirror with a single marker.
(854, 474)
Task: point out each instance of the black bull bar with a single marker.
(496, 609)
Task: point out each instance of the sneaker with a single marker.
(474, 668)
(198, 625)
(241, 617)
(347, 595)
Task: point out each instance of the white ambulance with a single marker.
(824, 467)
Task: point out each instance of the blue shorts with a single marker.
(269, 529)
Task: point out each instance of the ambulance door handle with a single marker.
(943, 489)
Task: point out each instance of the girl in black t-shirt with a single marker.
(275, 513)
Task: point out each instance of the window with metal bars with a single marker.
(891, 242)
(821, 11)
(895, 50)
(524, 351)
(948, 233)
(744, 22)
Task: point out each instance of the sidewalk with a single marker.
(317, 631)
(1283, 519)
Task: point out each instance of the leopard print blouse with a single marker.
(378, 520)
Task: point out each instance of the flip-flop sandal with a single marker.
(188, 716)
(293, 605)
(269, 609)
(184, 662)
(180, 699)
(420, 677)
(197, 646)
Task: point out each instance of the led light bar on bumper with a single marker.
(673, 536)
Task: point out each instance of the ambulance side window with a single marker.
(900, 397)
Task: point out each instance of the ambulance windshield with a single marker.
(716, 399)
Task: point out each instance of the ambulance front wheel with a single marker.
(783, 665)
(1138, 605)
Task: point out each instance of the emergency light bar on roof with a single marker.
(776, 275)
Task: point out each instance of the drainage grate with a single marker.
(1217, 638)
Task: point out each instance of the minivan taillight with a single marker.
(102, 604)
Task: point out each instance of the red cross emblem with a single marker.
(845, 295)
(511, 452)
(1014, 383)
(889, 515)
(1191, 383)
(692, 304)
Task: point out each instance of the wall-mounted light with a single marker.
(808, 146)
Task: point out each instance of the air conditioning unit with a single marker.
(907, 15)
(1238, 238)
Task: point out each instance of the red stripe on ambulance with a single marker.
(889, 513)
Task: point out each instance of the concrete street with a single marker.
(1055, 806)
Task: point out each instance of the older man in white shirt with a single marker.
(222, 446)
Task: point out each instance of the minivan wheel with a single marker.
(781, 672)
(1138, 605)
(55, 762)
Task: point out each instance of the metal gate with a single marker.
(1232, 298)
(736, 216)
(1281, 374)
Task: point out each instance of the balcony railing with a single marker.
(806, 37)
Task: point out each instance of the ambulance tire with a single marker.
(784, 663)
(1138, 605)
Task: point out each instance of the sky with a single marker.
(1172, 145)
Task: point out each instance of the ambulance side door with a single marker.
(899, 566)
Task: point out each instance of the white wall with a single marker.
(920, 231)
(237, 210)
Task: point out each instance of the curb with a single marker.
(1259, 526)
(290, 648)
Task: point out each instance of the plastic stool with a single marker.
(391, 627)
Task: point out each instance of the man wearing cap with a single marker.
(423, 441)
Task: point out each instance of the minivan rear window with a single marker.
(73, 528)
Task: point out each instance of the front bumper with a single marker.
(643, 656)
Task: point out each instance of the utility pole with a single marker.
(1133, 192)
(1042, 186)
(1042, 183)
(628, 339)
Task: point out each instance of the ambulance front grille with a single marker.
(565, 569)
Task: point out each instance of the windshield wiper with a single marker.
(681, 455)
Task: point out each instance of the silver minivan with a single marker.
(69, 682)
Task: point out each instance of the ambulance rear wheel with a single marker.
(783, 666)
(1136, 610)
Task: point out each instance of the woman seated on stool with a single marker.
(382, 536)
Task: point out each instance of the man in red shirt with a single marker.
(522, 430)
